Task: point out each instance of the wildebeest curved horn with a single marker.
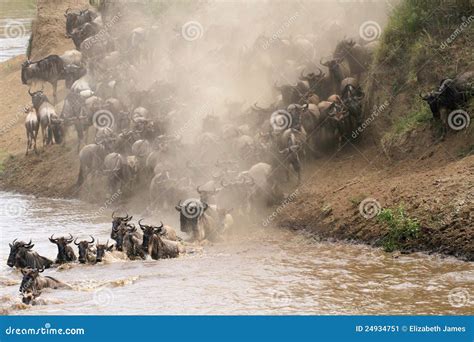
(320, 72)
(424, 96)
(75, 242)
(198, 190)
(13, 242)
(29, 245)
(140, 224)
(29, 92)
(52, 239)
(92, 239)
(161, 226)
(113, 212)
(40, 269)
(67, 10)
(70, 238)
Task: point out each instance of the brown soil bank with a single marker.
(399, 162)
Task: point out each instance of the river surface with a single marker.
(258, 271)
(15, 27)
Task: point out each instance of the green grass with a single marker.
(401, 228)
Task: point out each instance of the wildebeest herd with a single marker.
(155, 241)
(136, 151)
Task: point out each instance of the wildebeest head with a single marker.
(72, 73)
(62, 244)
(101, 249)
(190, 212)
(29, 278)
(84, 248)
(18, 250)
(334, 67)
(119, 229)
(29, 296)
(148, 232)
(24, 71)
(38, 98)
(434, 100)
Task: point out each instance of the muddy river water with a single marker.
(258, 271)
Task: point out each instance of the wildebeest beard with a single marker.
(188, 224)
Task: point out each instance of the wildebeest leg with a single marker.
(80, 135)
(28, 142)
(35, 135)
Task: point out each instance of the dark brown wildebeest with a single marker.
(32, 283)
(22, 256)
(75, 20)
(65, 252)
(86, 254)
(452, 94)
(156, 245)
(101, 249)
(49, 69)
(118, 223)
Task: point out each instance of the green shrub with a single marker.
(401, 228)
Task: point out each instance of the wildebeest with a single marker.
(75, 20)
(32, 283)
(101, 249)
(117, 223)
(194, 219)
(32, 127)
(451, 95)
(156, 245)
(22, 256)
(71, 114)
(320, 84)
(337, 71)
(49, 69)
(120, 171)
(65, 252)
(358, 57)
(132, 242)
(44, 111)
(293, 93)
(292, 146)
(91, 158)
(79, 34)
(86, 253)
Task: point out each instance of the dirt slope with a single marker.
(432, 180)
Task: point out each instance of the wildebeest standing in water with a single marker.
(101, 249)
(194, 219)
(155, 244)
(32, 283)
(118, 224)
(86, 254)
(49, 69)
(65, 252)
(22, 256)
